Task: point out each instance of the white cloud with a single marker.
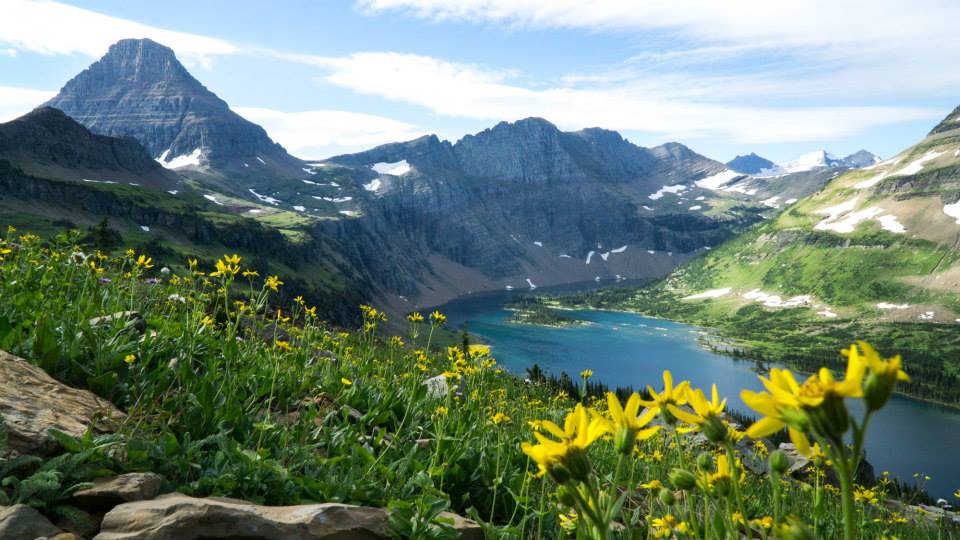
(45, 27)
(15, 102)
(467, 91)
(827, 47)
(11, 53)
(320, 134)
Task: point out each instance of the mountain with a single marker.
(521, 204)
(139, 89)
(821, 159)
(950, 123)
(48, 142)
(750, 164)
(524, 203)
(876, 244)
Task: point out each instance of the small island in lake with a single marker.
(531, 310)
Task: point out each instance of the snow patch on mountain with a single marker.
(675, 189)
(373, 185)
(715, 181)
(713, 293)
(186, 160)
(396, 168)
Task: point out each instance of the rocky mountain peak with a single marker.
(951, 122)
(750, 164)
(140, 89)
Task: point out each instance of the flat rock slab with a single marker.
(111, 491)
(22, 522)
(179, 517)
(32, 402)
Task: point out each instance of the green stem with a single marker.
(846, 492)
(735, 471)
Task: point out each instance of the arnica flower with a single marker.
(816, 405)
(675, 395)
(884, 374)
(957, 493)
(284, 345)
(250, 273)
(346, 382)
(586, 374)
(667, 525)
(499, 418)
(630, 427)
(437, 318)
(415, 317)
(273, 283)
(129, 358)
(232, 259)
(144, 262)
(706, 414)
(565, 458)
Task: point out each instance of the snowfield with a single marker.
(714, 181)
(953, 210)
(185, 160)
(265, 198)
(713, 293)
(397, 168)
(373, 185)
(675, 189)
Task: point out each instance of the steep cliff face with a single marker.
(140, 89)
(47, 141)
(525, 200)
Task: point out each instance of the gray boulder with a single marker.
(179, 517)
(111, 491)
(32, 402)
(22, 522)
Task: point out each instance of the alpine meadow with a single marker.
(479, 269)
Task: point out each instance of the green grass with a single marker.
(240, 401)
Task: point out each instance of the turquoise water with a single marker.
(625, 349)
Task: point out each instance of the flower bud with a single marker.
(667, 498)
(577, 462)
(714, 429)
(779, 462)
(565, 496)
(683, 479)
(794, 530)
(877, 390)
(559, 473)
(705, 461)
(625, 440)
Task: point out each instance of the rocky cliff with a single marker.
(140, 89)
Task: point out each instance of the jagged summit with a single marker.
(951, 122)
(750, 164)
(140, 89)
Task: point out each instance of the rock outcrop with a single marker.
(109, 492)
(179, 517)
(22, 522)
(32, 402)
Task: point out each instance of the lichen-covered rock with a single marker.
(32, 402)
(22, 522)
(111, 491)
(179, 517)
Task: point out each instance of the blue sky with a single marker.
(725, 78)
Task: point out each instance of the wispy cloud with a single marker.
(46, 27)
(468, 91)
(15, 102)
(320, 134)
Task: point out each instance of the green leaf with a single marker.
(70, 444)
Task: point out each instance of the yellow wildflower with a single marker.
(675, 395)
(441, 411)
(437, 318)
(586, 374)
(232, 259)
(144, 262)
(499, 418)
(273, 283)
(630, 426)
(415, 317)
(250, 273)
(284, 345)
(346, 382)
(579, 431)
(129, 358)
